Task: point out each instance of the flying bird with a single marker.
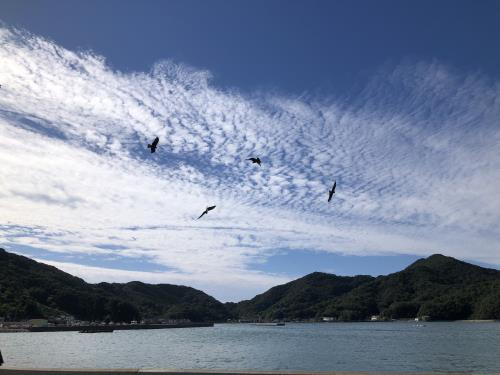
(255, 160)
(331, 192)
(206, 211)
(153, 145)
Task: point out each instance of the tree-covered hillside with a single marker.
(299, 299)
(29, 289)
(440, 287)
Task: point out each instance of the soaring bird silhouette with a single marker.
(331, 192)
(153, 145)
(206, 211)
(255, 160)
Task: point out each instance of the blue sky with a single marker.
(397, 101)
(289, 46)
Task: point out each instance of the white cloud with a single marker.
(415, 156)
(224, 286)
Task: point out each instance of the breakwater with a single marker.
(117, 327)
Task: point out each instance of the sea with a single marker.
(371, 347)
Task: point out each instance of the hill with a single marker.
(29, 289)
(439, 287)
(299, 299)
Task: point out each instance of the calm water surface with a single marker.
(393, 347)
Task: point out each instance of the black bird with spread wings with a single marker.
(153, 145)
(210, 208)
(255, 160)
(331, 192)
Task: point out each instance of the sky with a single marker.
(399, 102)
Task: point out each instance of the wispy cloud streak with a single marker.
(415, 155)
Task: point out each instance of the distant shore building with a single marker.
(423, 318)
(63, 319)
(38, 322)
(328, 319)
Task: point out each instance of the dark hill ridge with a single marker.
(298, 299)
(452, 270)
(440, 287)
(29, 289)
(169, 301)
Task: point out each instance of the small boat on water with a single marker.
(270, 324)
(96, 330)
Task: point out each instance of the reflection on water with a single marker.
(394, 347)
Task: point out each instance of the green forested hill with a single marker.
(165, 300)
(440, 287)
(29, 289)
(299, 299)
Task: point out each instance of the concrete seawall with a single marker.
(27, 371)
(118, 327)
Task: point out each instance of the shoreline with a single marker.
(135, 371)
(378, 321)
(196, 325)
(114, 327)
